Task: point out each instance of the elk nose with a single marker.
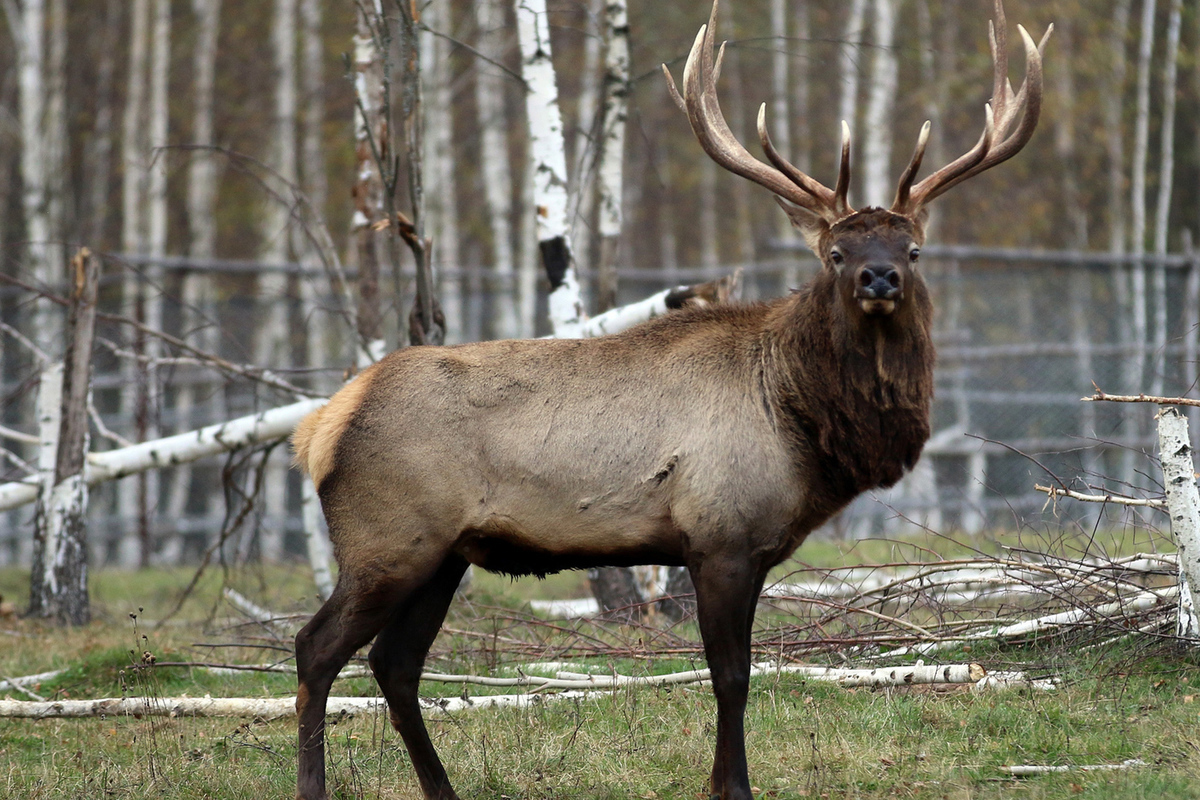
(879, 282)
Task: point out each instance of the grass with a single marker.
(1133, 700)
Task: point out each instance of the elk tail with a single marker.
(315, 440)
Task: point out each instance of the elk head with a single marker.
(872, 251)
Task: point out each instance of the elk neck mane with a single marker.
(852, 392)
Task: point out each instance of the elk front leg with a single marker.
(727, 592)
(397, 659)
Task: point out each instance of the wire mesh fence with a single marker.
(1021, 335)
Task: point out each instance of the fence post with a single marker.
(1183, 504)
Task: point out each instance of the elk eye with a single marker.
(914, 254)
(836, 257)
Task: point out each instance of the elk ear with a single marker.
(921, 218)
(809, 223)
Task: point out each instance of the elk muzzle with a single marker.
(877, 288)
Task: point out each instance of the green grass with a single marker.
(1135, 699)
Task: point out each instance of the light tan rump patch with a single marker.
(315, 440)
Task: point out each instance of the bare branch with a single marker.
(1056, 492)
(1140, 398)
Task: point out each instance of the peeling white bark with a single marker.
(549, 167)
(1183, 504)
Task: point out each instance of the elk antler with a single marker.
(699, 102)
(1000, 140)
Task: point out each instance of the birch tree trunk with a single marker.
(494, 163)
(612, 148)
(37, 168)
(587, 144)
(441, 203)
(274, 333)
(149, 402)
(877, 150)
(49, 423)
(316, 187)
(550, 167)
(1183, 504)
(371, 135)
(198, 307)
(134, 548)
(1166, 170)
(59, 590)
(1141, 142)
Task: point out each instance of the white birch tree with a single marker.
(27, 24)
(549, 167)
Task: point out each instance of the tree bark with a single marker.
(550, 167)
(58, 589)
(372, 147)
(1183, 504)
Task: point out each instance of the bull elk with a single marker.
(714, 438)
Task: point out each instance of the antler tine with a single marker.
(904, 188)
(1004, 143)
(699, 100)
(842, 189)
(813, 187)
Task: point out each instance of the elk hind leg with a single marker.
(397, 658)
(356, 611)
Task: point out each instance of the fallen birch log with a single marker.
(1044, 769)
(261, 708)
(27, 680)
(179, 449)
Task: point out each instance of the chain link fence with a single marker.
(1021, 335)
